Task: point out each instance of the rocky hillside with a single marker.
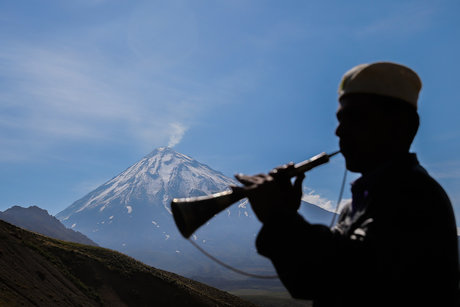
(39, 220)
(39, 271)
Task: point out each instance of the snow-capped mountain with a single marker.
(153, 181)
(131, 213)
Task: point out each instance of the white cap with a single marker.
(382, 78)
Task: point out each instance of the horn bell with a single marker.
(191, 213)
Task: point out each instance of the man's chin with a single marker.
(353, 166)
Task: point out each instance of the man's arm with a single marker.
(304, 255)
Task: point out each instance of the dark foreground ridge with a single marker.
(39, 271)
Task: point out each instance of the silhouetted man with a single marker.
(395, 243)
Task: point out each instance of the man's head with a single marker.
(377, 114)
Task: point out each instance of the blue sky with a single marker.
(88, 87)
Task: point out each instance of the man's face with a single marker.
(363, 132)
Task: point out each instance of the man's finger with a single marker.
(282, 170)
(298, 184)
(251, 180)
(246, 180)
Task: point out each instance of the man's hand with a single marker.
(273, 193)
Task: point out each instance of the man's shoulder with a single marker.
(413, 195)
(419, 181)
(409, 176)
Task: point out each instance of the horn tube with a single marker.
(192, 212)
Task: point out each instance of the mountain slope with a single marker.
(40, 271)
(38, 220)
(131, 213)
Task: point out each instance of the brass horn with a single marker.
(192, 212)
